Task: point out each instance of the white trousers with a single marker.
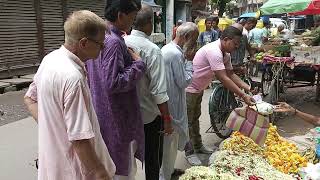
(132, 164)
(170, 151)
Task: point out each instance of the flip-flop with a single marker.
(193, 160)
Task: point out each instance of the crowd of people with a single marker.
(104, 98)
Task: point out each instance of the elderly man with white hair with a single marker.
(284, 33)
(281, 31)
(70, 143)
(178, 56)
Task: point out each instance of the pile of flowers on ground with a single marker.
(204, 173)
(241, 158)
(228, 165)
(246, 166)
(282, 154)
(279, 152)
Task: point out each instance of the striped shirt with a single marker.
(237, 56)
(179, 76)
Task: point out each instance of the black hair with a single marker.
(231, 32)
(210, 18)
(215, 19)
(251, 20)
(113, 7)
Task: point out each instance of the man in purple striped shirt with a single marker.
(113, 78)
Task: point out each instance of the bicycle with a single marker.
(221, 103)
(273, 80)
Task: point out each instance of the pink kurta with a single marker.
(65, 114)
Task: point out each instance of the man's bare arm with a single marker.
(235, 78)
(164, 110)
(89, 159)
(284, 107)
(308, 117)
(229, 84)
(32, 107)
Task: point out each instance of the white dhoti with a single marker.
(170, 151)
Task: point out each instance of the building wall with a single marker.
(182, 11)
(169, 19)
(245, 6)
(30, 29)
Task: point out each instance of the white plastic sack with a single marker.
(262, 107)
(311, 172)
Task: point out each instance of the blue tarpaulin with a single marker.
(248, 15)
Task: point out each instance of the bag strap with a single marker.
(256, 107)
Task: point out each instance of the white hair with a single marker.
(281, 25)
(186, 28)
(82, 24)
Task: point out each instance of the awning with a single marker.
(248, 15)
(312, 9)
(297, 7)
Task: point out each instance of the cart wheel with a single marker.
(286, 80)
(266, 81)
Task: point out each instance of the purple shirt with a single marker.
(113, 77)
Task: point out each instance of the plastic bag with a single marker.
(311, 172)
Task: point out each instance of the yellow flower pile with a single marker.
(279, 153)
(242, 144)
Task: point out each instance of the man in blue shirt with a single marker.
(215, 23)
(209, 35)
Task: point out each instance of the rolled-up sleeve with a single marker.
(76, 114)
(158, 87)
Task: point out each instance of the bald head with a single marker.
(238, 26)
(143, 21)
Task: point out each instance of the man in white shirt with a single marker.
(178, 56)
(152, 91)
(70, 143)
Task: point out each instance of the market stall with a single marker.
(290, 64)
(303, 70)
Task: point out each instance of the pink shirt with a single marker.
(207, 60)
(66, 114)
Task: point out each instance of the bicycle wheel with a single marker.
(248, 81)
(266, 81)
(221, 103)
(273, 95)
